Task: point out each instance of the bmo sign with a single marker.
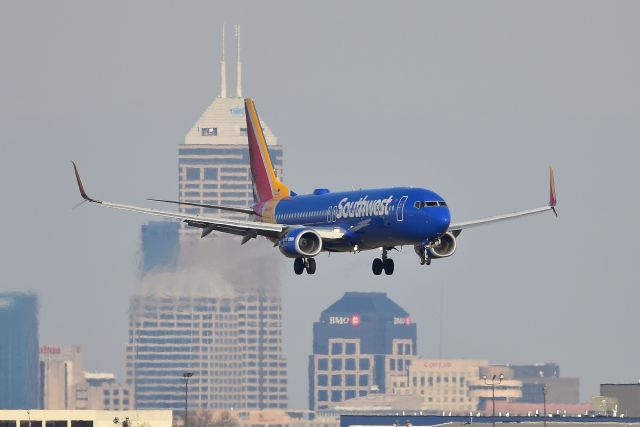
(402, 321)
(353, 320)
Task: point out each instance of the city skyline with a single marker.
(502, 90)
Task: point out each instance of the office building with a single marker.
(444, 385)
(226, 328)
(535, 377)
(101, 391)
(361, 341)
(232, 342)
(60, 373)
(627, 397)
(19, 387)
(160, 246)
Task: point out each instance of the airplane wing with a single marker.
(248, 229)
(459, 226)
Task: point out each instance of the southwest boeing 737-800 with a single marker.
(302, 226)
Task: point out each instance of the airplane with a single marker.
(303, 226)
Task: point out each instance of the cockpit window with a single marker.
(429, 203)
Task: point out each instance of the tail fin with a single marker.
(266, 185)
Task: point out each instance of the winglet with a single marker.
(552, 191)
(81, 187)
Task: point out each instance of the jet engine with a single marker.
(442, 247)
(300, 242)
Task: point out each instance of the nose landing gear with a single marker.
(384, 263)
(424, 257)
(301, 264)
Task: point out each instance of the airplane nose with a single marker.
(443, 220)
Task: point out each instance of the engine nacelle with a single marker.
(442, 247)
(300, 242)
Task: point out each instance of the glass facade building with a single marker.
(19, 386)
(232, 344)
(160, 246)
(361, 341)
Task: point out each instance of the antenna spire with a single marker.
(223, 71)
(238, 65)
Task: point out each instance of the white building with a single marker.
(80, 418)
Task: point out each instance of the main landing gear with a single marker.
(301, 264)
(383, 263)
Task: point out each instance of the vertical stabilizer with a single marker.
(266, 184)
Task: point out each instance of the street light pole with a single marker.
(186, 376)
(544, 403)
(493, 382)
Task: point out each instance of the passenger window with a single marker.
(431, 203)
(417, 205)
(442, 203)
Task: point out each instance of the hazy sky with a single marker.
(471, 99)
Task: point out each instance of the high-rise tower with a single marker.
(194, 319)
(19, 386)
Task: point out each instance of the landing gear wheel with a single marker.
(423, 260)
(388, 266)
(428, 261)
(311, 265)
(298, 265)
(377, 266)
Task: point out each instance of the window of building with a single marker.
(350, 380)
(407, 349)
(336, 364)
(193, 174)
(336, 348)
(322, 380)
(349, 394)
(364, 380)
(350, 348)
(350, 364)
(336, 380)
(392, 364)
(336, 396)
(211, 174)
(364, 364)
(209, 131)
(323, 364)
(399, 348)
(322, 395)
(400, 365)
(243, 131)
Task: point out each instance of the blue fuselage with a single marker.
(384, 217)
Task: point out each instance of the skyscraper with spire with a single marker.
(213, 161)
(193, 319)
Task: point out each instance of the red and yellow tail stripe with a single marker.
(265, 182)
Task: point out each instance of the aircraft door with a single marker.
(400, 208)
